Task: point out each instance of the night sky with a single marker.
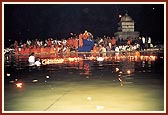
(59, 20)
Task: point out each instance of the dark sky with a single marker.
(59, 20)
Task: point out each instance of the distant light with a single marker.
(99, 107)
(119, 16)
(120, 79)
(89, 98)
(47, 76)
(128, 71)
(34, 80)
(117, 69)
(16, 79)
(19, 85)
(87, 77)
(8, 74)
(153, 8)
(11, 81)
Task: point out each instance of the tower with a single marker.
(126, 29)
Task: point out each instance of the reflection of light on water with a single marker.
(34, 80)
(147, 58)
(143, 63)
(149, 63)
(123, 65)
(116, 58)
(52, 61)
(120, 78)
(117, 69)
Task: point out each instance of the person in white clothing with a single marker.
(31, 59)
(37, 63)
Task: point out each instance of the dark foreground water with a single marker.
(143, 77)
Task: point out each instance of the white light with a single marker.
(89, 98)
(47, 77)
(87, 77)
(11, 81)
(19, 85)
(35, 80)
(99, 107)
(117, 69)
(8, 74)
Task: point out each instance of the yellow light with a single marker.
(19, 85)
(153, 58)
(128, 71)
(119, 79)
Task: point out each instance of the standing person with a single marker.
(85, 35)
(129, 41)
(16, 47)
(149, 42)
(80, 40)
(113, 41)
(31, 59)
(102, 50)
(143, 43)
(49, 43)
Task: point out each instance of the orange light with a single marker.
(128, 71)
(19, 85)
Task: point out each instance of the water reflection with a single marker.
(120, 66)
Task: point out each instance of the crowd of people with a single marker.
(102, 45)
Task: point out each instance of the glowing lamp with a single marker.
(47, 76)
(117, 69)
(19, 85)
(128, 71)
(8, 74)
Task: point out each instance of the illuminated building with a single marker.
(126, 29)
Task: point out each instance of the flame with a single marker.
(19, 85)
(128, 72)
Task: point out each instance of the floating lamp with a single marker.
(19, 85)
(128, 72)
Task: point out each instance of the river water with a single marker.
(85, 66)
(84, 83)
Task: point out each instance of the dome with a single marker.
(126, 18)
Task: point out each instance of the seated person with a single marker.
(37, 63)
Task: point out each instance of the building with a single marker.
(126, 29)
